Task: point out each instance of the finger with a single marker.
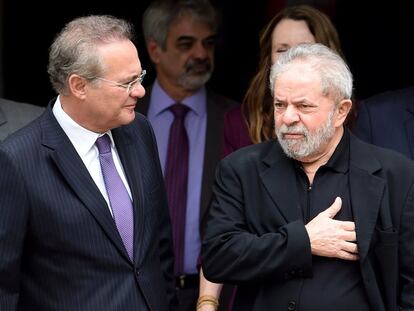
(347, 225)
(349, 236)
(332, 210)
(347, 256)
(350, 247)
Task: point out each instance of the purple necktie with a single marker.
(121, 204)
(176, 176)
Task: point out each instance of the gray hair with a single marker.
(336, 78)
(74, 50)
(161, 14)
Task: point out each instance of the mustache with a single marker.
(193, 63)
(296, 129)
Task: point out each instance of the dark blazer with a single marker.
(59, 245)
(14, 115)
(387, 120)
(256, 238)
(236, 134)
(217, 105)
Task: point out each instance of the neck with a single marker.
(173, 89)
(312, 163)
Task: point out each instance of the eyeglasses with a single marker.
(128, 86)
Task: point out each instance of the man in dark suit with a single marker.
(317, 219)
(14, 115)
(387, 120)
(83, 224)
(180, 38)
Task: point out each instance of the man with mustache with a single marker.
(317, 219)
(180, 38)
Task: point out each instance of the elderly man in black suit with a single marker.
(84, 223)
(317, 219)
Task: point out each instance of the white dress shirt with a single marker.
(83, 141)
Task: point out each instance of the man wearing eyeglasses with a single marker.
(83, 224)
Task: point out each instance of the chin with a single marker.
(128, 117)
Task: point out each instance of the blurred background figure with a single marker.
(252, 122)
(187, 118)
(387, 120)
(14, 115)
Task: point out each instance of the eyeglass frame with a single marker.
(127, 86)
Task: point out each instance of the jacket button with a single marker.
(291, 306)
(137, 271)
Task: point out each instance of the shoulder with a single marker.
(364, 154)
(390, 100)
(17, 108)
(224, 102)
(252, 155)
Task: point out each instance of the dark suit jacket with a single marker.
(387, 120)
(216, 107)
(14, 115)
(256, 238)
(60, 248)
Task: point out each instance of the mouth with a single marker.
(293, 136)
(131, 106)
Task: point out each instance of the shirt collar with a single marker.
(339, 161)
(82, 139)
(161, 101)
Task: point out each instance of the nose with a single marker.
(290, 115)
(137, 90)
(200, 51)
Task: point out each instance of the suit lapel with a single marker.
(409, 127)
(279, 179)
(366, 193)
(77, 176)
(213, 149)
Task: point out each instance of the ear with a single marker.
(343, 109)
(77, 86)
(154, 51)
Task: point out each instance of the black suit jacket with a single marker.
(387, 120)
(59, 246)
(217, 105)
(14, 115)
(256, 238)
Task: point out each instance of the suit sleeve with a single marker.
(232, 252)
(13, 222)
(363, 127)
(165, 231)
(406, 254)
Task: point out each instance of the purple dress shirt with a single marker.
(196, 124)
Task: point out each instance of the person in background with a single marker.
(253, 122)
(316, 219)
(14, 115)
(84, 222)
(187, 118)
(387, 120)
